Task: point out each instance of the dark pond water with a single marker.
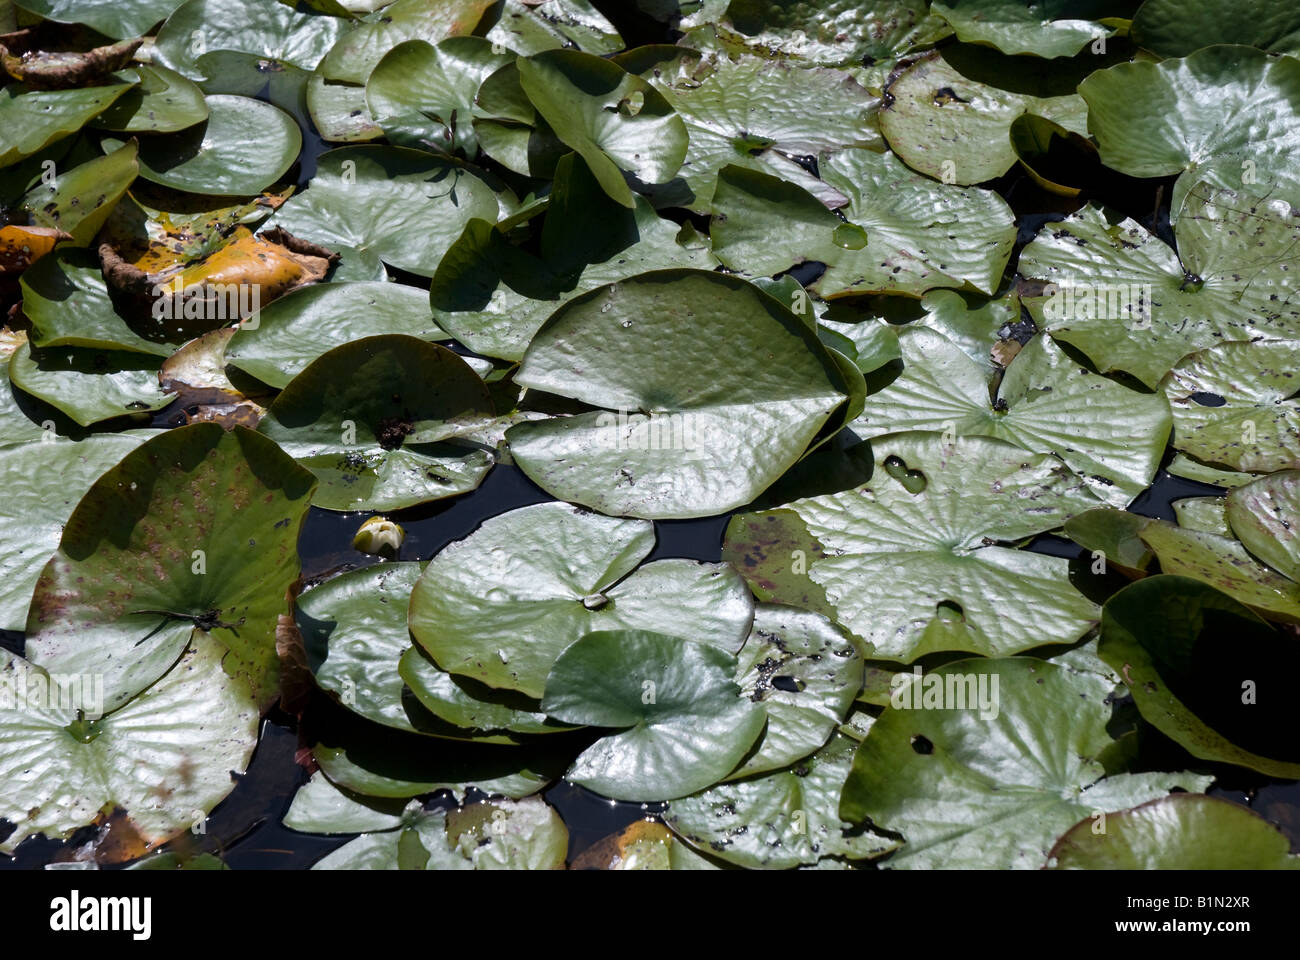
(246, 829)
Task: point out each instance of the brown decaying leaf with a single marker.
(20, 247)
(63, 70)
(196, 374)
(296, 679)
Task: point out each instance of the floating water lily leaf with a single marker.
(980, 326)
(354, 629)
(110, 17)
(781, 819)
(468, 703)
(687, 725)
(1116, 534)
(62, 770)
(89, 385)
(80, 200)
(267, 31)
(1205, 514)
(493, 835)
(688, 439)
(164, 101)
(423, 96)
(805, 672)
(905, 233)
(474, 293)
(760, 113)
(1263, 515)
(32, 120)
(1235, 405)
(1129, 303)
(613, 119)
(1167, 635)
(321, 807)
(1045, 28)
(910, 563)
(1046, 150)
(509, 129)
(360, 49)
(1224, 563)
(175, 861)
(368, 418)
(65, 299)
(1217, 115)
(529, 28)
(339, 111)
(405, 205)
(835, 32)
(502, 604)
(956, 129)
(44, 479)
(242, 148)
(1111, 436)
(1173, 29)
(146, 557)
(994, 789)
(1184, 831)
(289, 334)
(1184, 466)
(21, 246)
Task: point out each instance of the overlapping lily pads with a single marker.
(683, 723)
(372, 419)
(994, 788)
(196, 528)
(501, 605)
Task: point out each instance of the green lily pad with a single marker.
(525, 28)
(65, 299)
(31, 120)
(835, 32)
(994, 789)
(368, 419)
(474, 293)
(759, 113)
(339, 112)
(289, 334)
(1167, 635)
(164, 101)
(361, 48)
(1224, 563)
(468, 703)
(911, 563)
(782, 819)
(509, 128)
(1173, 29)
(321, 807)
(62, 770)
(685, 724)
(1263, 515)
(242, 148)
(1116, 535)
(424, 95)
(613, 119)
(911, 234)
(89, 385)
(1184, 831)
(79, 201)
(805, 672)
(1112, 437)
(267, 31)
(1045, 28)
(956, 129)
(685, 437)
(502, 604)
(1205, 514)
(1184, 466)
(405, 205)
(1130, 303)
(1225, 115)
(32, 513)
(112, 18)
(492, 835)
(1235, 405)
(146, 557)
